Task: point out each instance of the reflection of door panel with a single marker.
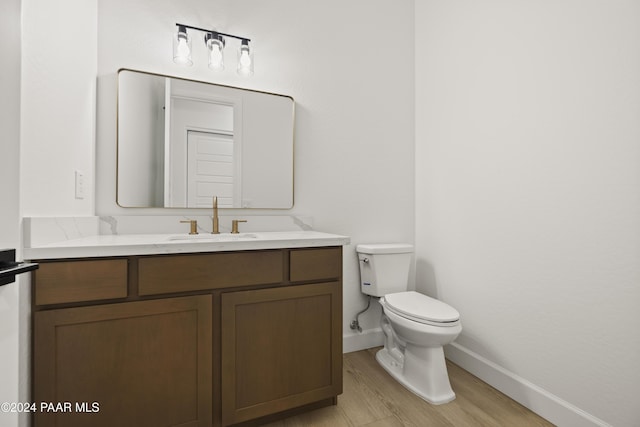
(210, 169)
(204, 116)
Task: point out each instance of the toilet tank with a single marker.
(384, 268)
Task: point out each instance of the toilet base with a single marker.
(423, 372)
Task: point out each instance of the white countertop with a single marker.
(149, 244)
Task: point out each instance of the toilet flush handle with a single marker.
(365, 260)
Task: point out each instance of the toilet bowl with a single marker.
(413, 352)
(415, 326)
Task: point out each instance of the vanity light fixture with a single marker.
(215, 43)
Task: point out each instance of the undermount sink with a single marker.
(225, 237)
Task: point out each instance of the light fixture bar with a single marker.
(215, 43)
(213, 31)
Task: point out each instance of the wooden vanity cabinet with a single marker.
(188, 339)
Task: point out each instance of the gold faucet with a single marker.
(215, 229)
(234, 225)
(194, 226)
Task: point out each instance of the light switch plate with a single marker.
(80, 185)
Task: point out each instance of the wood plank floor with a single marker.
(372, 398)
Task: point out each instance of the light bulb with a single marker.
(182, 47)
(215, 44)
(245, 59)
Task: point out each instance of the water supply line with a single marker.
(355, 324)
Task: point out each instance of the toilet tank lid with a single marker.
(385, 248)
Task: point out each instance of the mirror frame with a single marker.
(118, 148)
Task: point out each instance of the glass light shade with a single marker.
(216, 53)
(182, 48)
(245, 59)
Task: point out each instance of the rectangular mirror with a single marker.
(181, 142)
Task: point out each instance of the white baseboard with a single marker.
(361, 341)
(540, 401)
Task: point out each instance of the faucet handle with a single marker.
(194, 225)
(234, 225)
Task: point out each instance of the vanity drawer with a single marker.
(181, 273)
(73, 281)
(315, 264)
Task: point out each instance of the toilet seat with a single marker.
(421, 308)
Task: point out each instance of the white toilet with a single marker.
(415, 326)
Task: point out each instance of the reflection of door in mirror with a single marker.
(203, 153)
(210, 170)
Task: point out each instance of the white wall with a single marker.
(58, 105)
(354, 103)
(10, 204)
(528, 195)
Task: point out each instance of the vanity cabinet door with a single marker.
(281, 349)
(146, 363)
